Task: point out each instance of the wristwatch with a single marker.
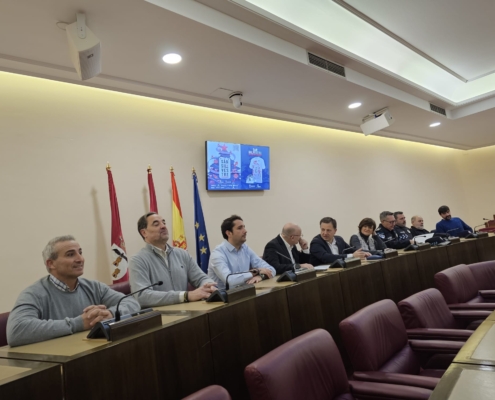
(255, 271)
(263, 277)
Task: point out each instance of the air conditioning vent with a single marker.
(326, 65)
(438, 110)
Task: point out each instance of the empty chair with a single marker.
(213, 392)
(460, 289)
(484, 274)
(377, 344)
(3, 328)
(310, 367)
(427, 316)
(122, 287)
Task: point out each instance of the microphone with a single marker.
(293, 264)
(117, 312)
(233, 273)
(486, 219)
(477, 226)
(348, 248)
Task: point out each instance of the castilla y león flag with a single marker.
(119, 256)
(178, 233)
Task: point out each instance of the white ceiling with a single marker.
(251, 53)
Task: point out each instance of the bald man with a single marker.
(282, 254)
(417, 226)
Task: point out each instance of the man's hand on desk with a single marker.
(93, 314)
(361, 254)
(255, 279)
(306, 266)
(202, 292)
(266, 272)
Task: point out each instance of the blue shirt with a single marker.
(454, 227)
(226, 259)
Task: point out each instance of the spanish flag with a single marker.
(178, 233)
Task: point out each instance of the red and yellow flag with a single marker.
(178, 233)
(151, 187)
(119, 256)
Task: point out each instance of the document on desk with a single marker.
(322, 267)
(422, 238)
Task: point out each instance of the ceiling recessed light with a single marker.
(172, 58)
(354, 105)
(434, 124)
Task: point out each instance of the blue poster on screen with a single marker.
(232, 166)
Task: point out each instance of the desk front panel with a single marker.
(401, 276)
(486, 248)
(429, 263)
(463, 253)
(244, 331)
(30, 380)
(362, 286)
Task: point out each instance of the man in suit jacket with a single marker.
(326, 247)
(282, 254)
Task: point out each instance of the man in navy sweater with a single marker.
(453, 226)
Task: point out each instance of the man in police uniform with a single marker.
(393, 238)
(400, 226)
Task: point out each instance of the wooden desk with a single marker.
(362, 286)
(401, 276)
(466, 382)
(480, 347)
(463, 252)
(148, 365)
(486, 248)
(242, 332)
(429, 263)
(30, 380)
(491, 317)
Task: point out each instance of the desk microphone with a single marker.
(117, 312)
(290, 259)
(233, 273)
(477, 226)
(486, 219)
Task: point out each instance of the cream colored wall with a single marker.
(477, 169)
(56, 138)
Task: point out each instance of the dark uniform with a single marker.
(417, 231)
(399, 238)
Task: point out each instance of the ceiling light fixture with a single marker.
(434, 124)
(354, 105)
(172, 58)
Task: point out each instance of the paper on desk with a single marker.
(322, 267)
(422, 238)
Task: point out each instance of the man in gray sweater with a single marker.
(157, 261)
(62, 303)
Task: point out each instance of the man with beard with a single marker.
(417, 226)
(453, 226)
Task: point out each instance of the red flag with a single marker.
(119, 256)
(151, 186)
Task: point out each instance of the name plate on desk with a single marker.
(299, 276)
(482, 234)
(127, 326)
(390, 253)
(235, 294)
(454, 239)
(424, 246)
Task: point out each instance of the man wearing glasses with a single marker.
(282, 253)
(388, 232)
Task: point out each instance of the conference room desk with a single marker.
(466, 382)
(491, 317)
(243, 331)
(429, 263)
(479, 349)
(485, 248)
(400, 276)
(29, 380)
(464, 252)
(168, 362)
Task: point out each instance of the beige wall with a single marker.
(56, 138)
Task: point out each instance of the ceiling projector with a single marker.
(377, 121)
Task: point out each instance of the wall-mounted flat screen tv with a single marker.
(233, 166)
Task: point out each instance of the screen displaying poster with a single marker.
(233, 166)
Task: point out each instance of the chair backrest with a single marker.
(427, 309)
(122, 287)
(376, 340)
(484, 274)
(3, 328)
(213, 392)
(457, 284)
(307, 367)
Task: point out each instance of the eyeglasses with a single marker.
(298, 235)
(390, 222)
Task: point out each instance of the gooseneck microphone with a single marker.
(290, 259)
(233, 273)
(117, 312)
